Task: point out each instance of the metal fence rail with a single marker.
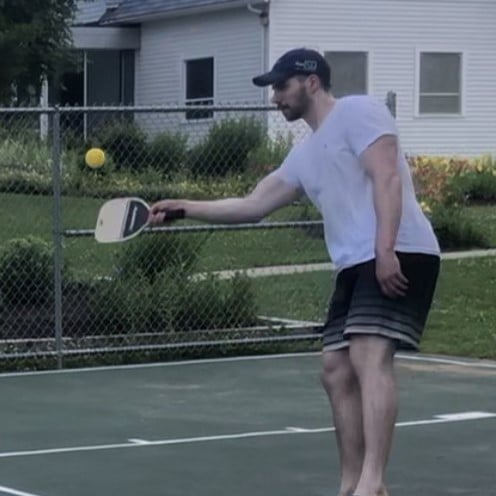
(64, 296)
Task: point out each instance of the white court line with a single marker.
(415, 357)
(437, 419)
(15, 492)
(474, 363)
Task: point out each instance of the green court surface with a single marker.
(235, 427)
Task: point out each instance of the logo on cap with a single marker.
(307, 65)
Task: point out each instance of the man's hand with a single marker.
(389, 276)
(165, 211)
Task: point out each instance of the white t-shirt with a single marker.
(327, 168)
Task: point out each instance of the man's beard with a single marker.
(298, 109)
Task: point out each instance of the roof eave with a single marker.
(126, 19)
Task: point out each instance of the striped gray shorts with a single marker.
(358, 305)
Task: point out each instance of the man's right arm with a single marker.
(270, 194)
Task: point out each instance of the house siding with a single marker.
(95, 38)
(393, 32)
(233, 38)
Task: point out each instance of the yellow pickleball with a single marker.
(95, 158)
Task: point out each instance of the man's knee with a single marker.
(371, 353)
(337, 370)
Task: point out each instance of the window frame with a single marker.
(368, 62)
(418, 94)
(191, 101)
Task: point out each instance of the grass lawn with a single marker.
(462, 320)
(32, 215)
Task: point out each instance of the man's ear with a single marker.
(314, 82)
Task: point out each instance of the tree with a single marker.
(35, 39)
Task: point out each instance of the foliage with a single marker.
(125, 142)
(432, 176)
(453, 227)
(310, 213)
(35, 38)
(155, 290)
(226, 148)
(477, 185)
(150, 256)
(120, 305)
(455, 180)
(167, 152)
(212, 304)
(26, 165)
(269, 154)
(455, 230)
(26, 271)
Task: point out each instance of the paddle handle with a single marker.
(180, 213)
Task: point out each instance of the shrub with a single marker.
(154, 254)
(120, 305)
(225, 149)
(154, 292)
(26, 271)
(477, 185)
(455, 230)
(167, 152)
(240, 302)
(26, 165)
(308, 212)
(188, 304)
(452, 227)
(433, 175)
(125, 143)
(269, 154)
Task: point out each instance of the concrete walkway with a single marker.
(326, 266)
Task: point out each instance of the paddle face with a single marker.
(121, 219)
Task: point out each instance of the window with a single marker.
(80, 83)
(200, 86)
(440, 83)
(348, 72)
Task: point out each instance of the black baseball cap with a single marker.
(297, 61)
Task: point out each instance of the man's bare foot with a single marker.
(382, 492)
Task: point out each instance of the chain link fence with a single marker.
(185, 290)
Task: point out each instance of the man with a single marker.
(387, 256)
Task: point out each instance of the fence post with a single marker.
(391, 102)
(57, 235)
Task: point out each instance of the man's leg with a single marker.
(342, 388)
(372, 358)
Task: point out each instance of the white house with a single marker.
(438, 56)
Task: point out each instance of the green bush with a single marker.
(452, 227)
(154, 291)
(269, 154)
(240, 302)
(187, 304)
(26, 271)
(167, 152)
(474, 187)
(126, 144)
(455, 230)
(225, 149)
(26, 165)
(120, 306)
(154, 254)
(26, 155)
(309, 212)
